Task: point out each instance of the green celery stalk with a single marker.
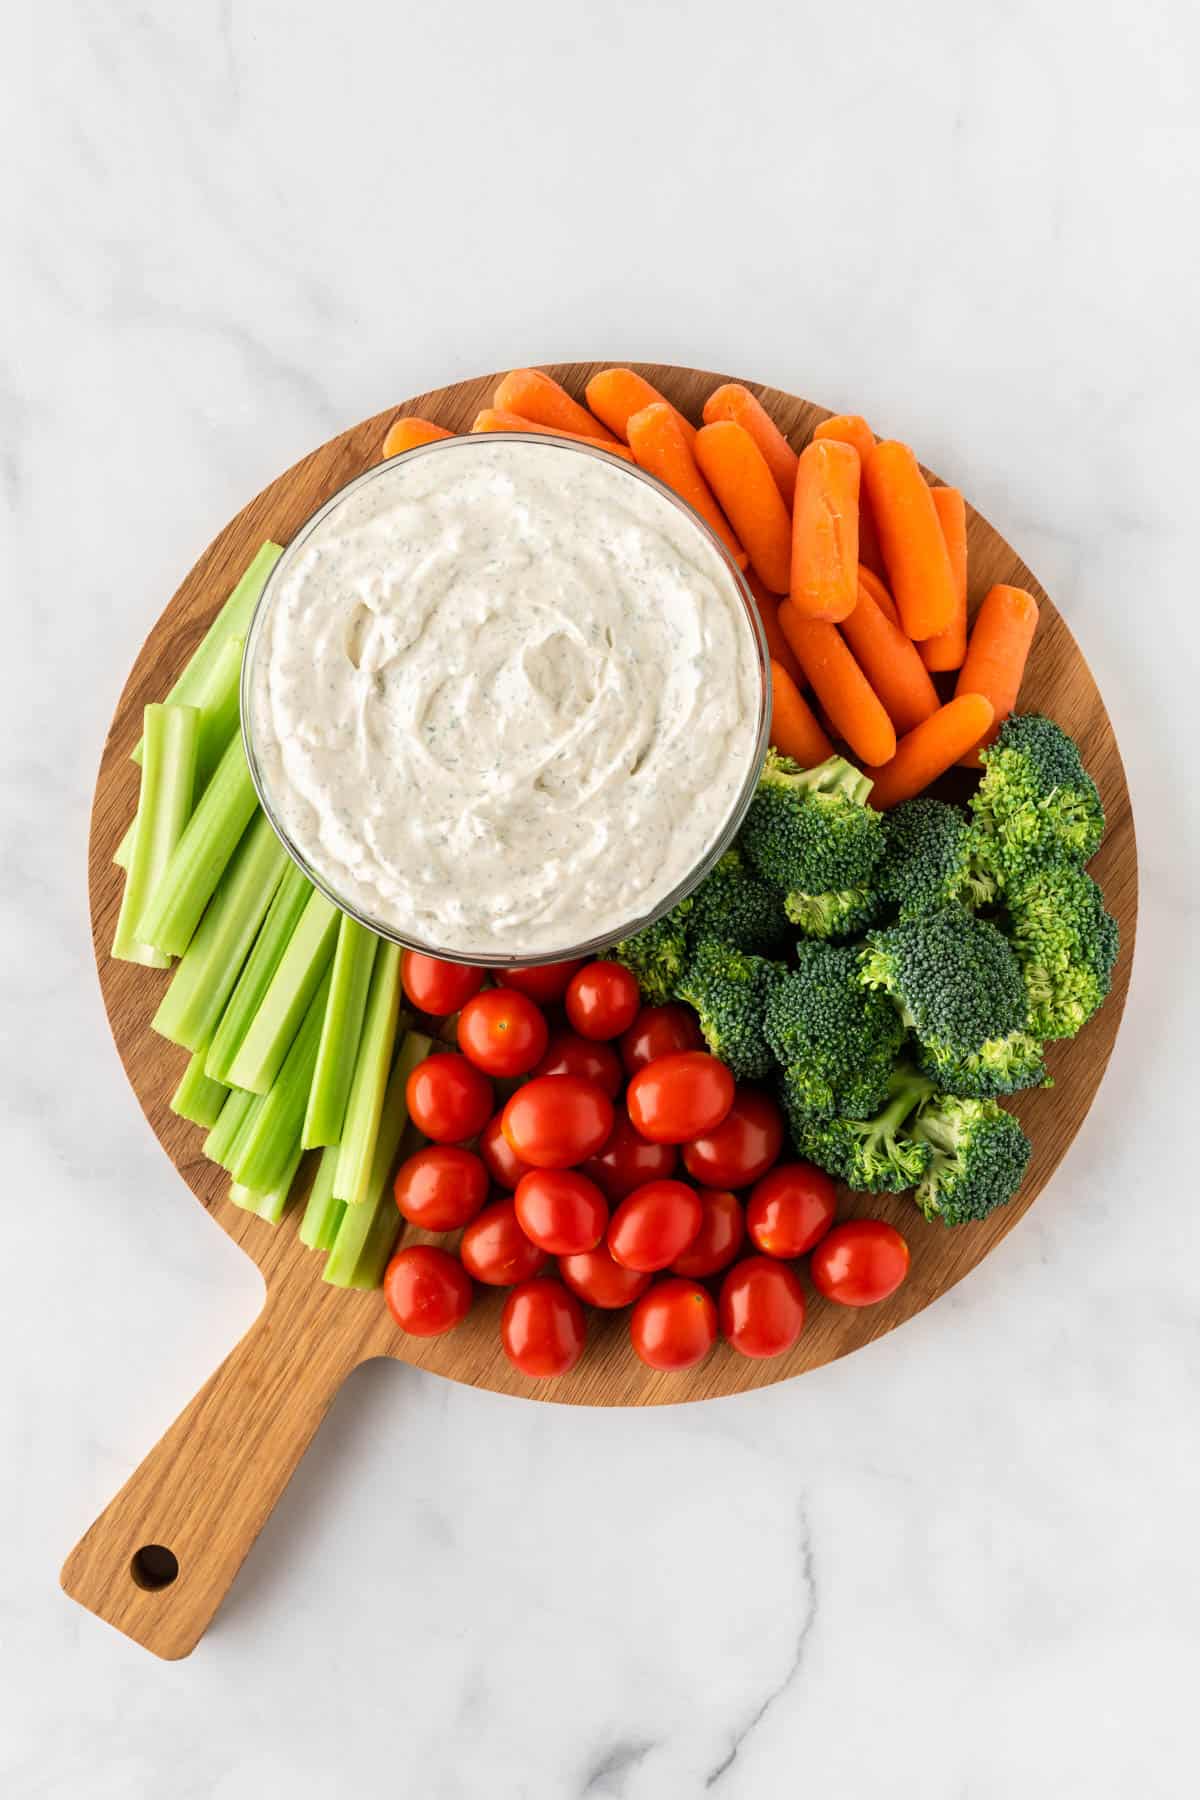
(318, 1227)
(196, 864)
(198, 1097)
(292, 986)
(273, 1203)
(124, 849)
(233, 620)
(220, 711)
(364, 1107)
(283, 915)
(364, 1237)
(223, 1135)
(352, 963)
(171, 735)
(191, 1008)
(265, 1152)
(249, 1118)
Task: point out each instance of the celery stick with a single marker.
(198, 860)
(171, 735)
(221, 1138)
(220, 712)
(198, 1097)
(263, 1155)
(230, 1159)
(191, 1008)
(352, 963)
(291, 898)
(318, 1227)
(273, 1203)
(124, 849)
(292, 986)
(233, 620)
(376, 1043)
(361, 1229)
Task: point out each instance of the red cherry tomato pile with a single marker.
(626, 1168)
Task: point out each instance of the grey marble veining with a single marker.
(960, 1565)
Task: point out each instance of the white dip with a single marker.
(504, 697)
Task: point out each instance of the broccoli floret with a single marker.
(929, 857)
(810, 830)
(841, 914)
(979, 1155)
(953, 976)
(657, 955)
(874, 1155)
(1001, 1065)
(836, 1040)
(734, 903)
(1066, 942)
(1036, 804)
(729, 988)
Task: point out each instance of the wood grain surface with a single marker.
(207, 1488)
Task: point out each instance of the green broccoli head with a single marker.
(842, 914)
(836, 1041)
(875, 1155)
(729, 988)
(1066, 943)
(1036, 804)
(978, 1159)
(1001, 1065)
(734, 903)
(810, 830)
(657, 955)
(929, 857)
(953, 976)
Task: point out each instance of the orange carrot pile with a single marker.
(738, 474)
(778, 646)
(947, 649)
(825, 531)
(890, 662)
(910, 535)
(996, 655)
(867, 578)
(794, 727)
(931, 748)
(616, 394)
(536, 396)
(738, 405)
(849, 428)
(851, 703)
(660, 447)
(406, 434)
(492, 419)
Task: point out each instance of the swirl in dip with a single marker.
(503, 697)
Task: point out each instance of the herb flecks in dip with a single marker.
(504, 697)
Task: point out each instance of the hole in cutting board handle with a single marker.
(154, 1567)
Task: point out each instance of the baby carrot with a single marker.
(738, 404)
(491, 419)
(849, 428)
(536, 396)
(995, 660)
(794, 729)
(660, 447)
(825, 531)
(931, 748)
(890, 662)
(406, 434)
(737, 472)
(614, 395)
(850, 702)
(874, 585)
(910, 535)
(778, 646)
(947, 649)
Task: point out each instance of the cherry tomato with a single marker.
(722, 1228)
(502, 1032)
(790, 1209)
(569, 1054)
(435, 986)
(654, 1225)
(659, 1031)
(743, 1146)
(627, 1161)
(761, 1307)
(503, 1163)
(556, 1121)
(679, 1097)
(860, 1262)
(560, 1211)
(596, 1278)
(602, 1000)
(543, 982)
(427, 1290)
(441, 1188)
(449, 1099)
(674, 1325)
(496, 1251)
(542, 1329)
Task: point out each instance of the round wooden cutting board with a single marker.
(203, 1494)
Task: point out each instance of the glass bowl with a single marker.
(722, 839)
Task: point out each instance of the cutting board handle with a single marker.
(160, 1558)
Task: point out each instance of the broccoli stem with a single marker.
(836, 776)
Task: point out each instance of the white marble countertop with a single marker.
(958, 1566)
